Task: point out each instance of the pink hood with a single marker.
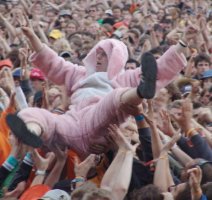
(117, 57)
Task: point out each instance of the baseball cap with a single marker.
(55, 195)
(109, 12)
(186, 89)
(56, 34)
(17, 73)
(207, 74)
(65, 12)
(6, 63)
(37, 74)
(65, 54)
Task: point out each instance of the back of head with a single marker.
(79, 193)
(149, 192)
(206, 172)
(184, 194)
(206, 188)
(99, 194)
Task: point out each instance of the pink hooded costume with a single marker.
(95, 97)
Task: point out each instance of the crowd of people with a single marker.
(106, 100)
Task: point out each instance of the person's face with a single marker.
(17, 81)
(101, 60)
(177, 112)
(117, 13)
(207, 83)
(161, 99)
(92, 12)
(36, 85)
(62, 22)
(2, 8)
(50, 16)
(71, 28)
(161, 14)
(205, 100)
(130, 66)
(188, 3)
(168, 27)
(202, 66)
(94, 28)
(38, 9)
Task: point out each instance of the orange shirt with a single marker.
(5, 147)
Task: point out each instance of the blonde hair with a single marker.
(61, 45)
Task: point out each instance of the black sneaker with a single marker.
(19, 129)
(147, 86)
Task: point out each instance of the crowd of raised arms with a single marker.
(106, 99)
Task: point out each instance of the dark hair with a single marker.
(131, 60)
(116, 7)
(184, 194)
(207, 190)
(135, 31)
(156, 50)
(149, 192)
(14, 57)
(173, 91)
(109, 20)
(206, 173)
(197, 105)
(201, 57)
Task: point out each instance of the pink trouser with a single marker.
(78, 129)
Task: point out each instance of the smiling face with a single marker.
(101, 60)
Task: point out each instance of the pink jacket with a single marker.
(77, 78)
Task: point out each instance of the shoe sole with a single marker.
(149, 72)
(19, 129)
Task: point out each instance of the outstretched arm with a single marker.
(169, 64)
(121, 167)
(54, 67)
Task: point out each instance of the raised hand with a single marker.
(42, 163)
(170, 144)
(195, 177)
(61, 155)
(184, 120)
(81, 169)
(117, 136)
(167, 127)
(190, 33)
(23, 55)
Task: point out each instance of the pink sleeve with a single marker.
(56, 68)
(169, 65)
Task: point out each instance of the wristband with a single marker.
(40, 173)
(182, 44)
(139, 118)
(78, 180)
(190, 131)
(10, 163)
(28, 159)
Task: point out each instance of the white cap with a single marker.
(56, 194)
(109, 12)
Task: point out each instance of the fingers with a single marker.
(97, 149)
(76, 161)
(171, 143)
